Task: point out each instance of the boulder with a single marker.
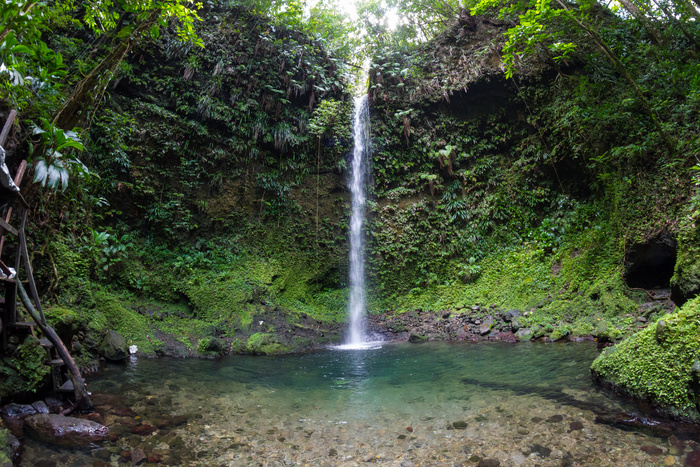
(416, 337)
(14, 414)
(510, 314)
(485, 327)
(524, 334)
(64, 431)
(114, 347)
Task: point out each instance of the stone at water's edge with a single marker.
(114, 347)
(13, 416)
(524, 334)
(64, 431)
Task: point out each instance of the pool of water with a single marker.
(401, 404)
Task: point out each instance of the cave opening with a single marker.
(650, 265)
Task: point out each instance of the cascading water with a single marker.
(360, 166)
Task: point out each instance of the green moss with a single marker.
(265, 344)
(5, 451)
(25, 370)
(686, 275)
(560, 333)
(211, 346)
(655, 364)
(109, 313)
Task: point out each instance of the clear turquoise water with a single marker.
(398, 403)
(357, 384)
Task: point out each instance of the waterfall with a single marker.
(360, 170)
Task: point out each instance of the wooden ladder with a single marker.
(57, 353)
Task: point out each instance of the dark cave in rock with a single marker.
(650, 265)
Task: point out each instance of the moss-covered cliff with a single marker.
(218, 220)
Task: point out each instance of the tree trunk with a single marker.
(679, 23)
(645, 20)
(92, 86)
(692, 9)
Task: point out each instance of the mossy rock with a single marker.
(685, 282)
(656, 364)
(262, 343)
(211, 346)
(25, 370)
(5, 450)
(560, 333)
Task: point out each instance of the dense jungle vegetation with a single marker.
(188, 165)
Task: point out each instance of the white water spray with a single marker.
(360, 165)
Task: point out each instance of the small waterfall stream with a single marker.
(360, 170)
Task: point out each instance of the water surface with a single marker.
(427, 404)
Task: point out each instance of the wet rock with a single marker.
(332, 452)
(540, 450)
(515, 325)
(555, 419)
(55, 405)
(143, 430)
(693, 459)
(100, 463)
(669, 460)
(524, 334)
(460, 425)
(416, 337)
(137, 456)
(489, 463)
(506, 337)
(537, 419)
(113, 347)
(172, 422)
(124, 412)
(485, 327)
(14, 415)
(41, 407)
(106, 399)
(573, 426)
(652, 450)
(64, 431)
(45, 463)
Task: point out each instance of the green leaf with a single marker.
(22, 49)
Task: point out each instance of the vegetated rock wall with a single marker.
(221, 197)
(495, 194)
(493, 190)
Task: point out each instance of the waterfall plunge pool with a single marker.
(401, 404)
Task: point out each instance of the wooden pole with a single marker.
(81, 395)
(8, 126)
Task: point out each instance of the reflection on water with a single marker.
(430, 404)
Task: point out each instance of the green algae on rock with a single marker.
(656, 364)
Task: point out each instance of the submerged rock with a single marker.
(64, 431)
(114, 347)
